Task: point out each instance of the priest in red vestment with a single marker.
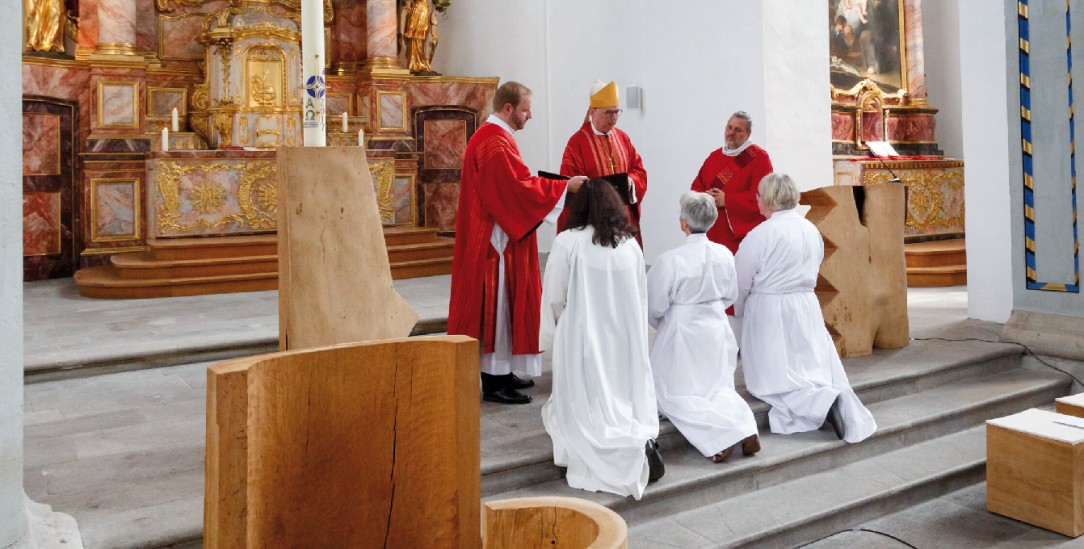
(598, 148)
(496, 284)
(731, 175)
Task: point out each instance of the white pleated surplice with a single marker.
(788, 356)
(594, 321)
(695, 353)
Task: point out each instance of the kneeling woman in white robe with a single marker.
(695, 353)
(788, 356)
(602, 410)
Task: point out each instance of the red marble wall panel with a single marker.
(445, 143)
(917, 128)
(872, 129)
(348, 32)
(842, 127)
(42, 227)
(474, 95)
(51, 81)
(41, 144)
(146, 31)
(441, 202)
(87, 38)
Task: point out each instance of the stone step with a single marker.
(522, 456)
(820, 504)
(692, 481)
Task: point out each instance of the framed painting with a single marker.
(867, 42)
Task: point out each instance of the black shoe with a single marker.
(520, 383)
(655, 467)
(835, 419)
(506, 395)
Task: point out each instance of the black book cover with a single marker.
(620, 181)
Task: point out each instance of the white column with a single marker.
(314, 112)
(12, 513)
(984, 81)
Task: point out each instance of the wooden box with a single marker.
(1035, 471)
(1072, 405)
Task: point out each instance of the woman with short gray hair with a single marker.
(788, 356)
(695, 353)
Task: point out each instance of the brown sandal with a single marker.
(722, 456)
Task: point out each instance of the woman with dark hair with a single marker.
(601, 412)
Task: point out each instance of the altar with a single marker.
(164, 125)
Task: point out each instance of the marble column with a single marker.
(916, 63)
(117, 31)
(382, 29)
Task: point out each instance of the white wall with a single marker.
(696, 62)
(941, 37)
(984, 41)
(12, 517)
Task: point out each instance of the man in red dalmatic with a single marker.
(731, 175)
(496, 285)
(598, 148)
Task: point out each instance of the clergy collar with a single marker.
(595, 130)
(494, 119)
(737, 151)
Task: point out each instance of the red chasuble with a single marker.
(598, 155)
(738, 177)
(497, 187)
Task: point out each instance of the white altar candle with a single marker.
(361, 138)
(165, 140)
(175, 126)
(346, 127)
(313, 107)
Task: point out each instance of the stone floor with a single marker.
(123, 452)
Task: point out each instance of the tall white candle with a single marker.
(361, 137)
(313, 108)
(346, 126)
(165, 140)
(175, 126)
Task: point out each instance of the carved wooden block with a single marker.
(551, 523)
(862, 285)
(1035, 471)
(362, 445)
(334, 276)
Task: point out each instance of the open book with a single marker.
(620, 181)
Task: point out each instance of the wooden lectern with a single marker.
(356, 445)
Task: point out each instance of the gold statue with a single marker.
(44, 20)
(414, 27)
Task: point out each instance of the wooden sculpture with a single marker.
(862, 286)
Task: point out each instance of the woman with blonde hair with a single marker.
(788, 356)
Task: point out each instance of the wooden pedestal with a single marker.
(1072, 405)
(1035, 471)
